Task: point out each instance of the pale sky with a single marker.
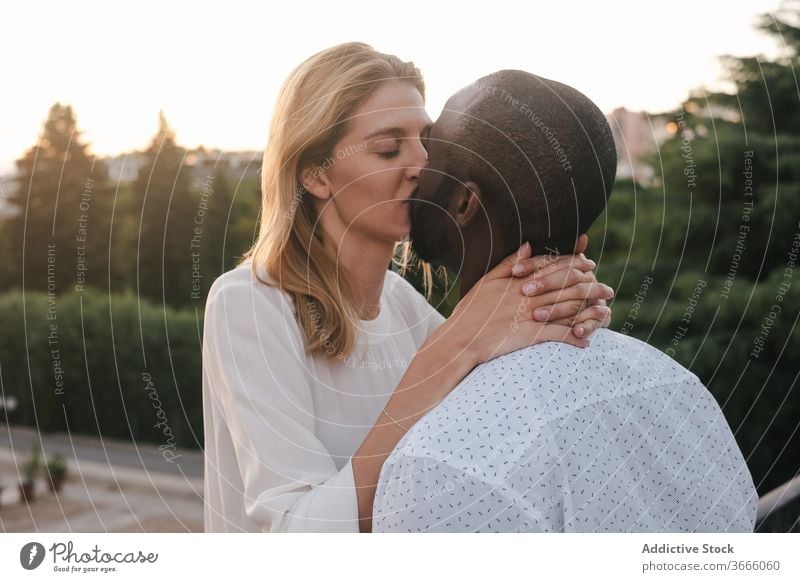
(215, 67)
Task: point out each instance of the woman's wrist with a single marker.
(438, 367)
(449, 344)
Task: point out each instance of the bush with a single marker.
(103, 365)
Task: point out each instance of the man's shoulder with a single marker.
(602, 341)
(539, 384)
(611, 354)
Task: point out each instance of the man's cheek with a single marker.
(427, 231)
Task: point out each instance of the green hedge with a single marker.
(106, 365)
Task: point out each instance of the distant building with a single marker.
(8, 187)
(201, 164)
(636, 135)
(237, 166)
(124, 168)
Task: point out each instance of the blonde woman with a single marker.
(317, 358)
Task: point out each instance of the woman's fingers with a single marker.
(581, 244)
(566, 310)
(529, 265)
(504, 269)
(544, 264)
(590, 320)
(602, 303)
(584, 320)
(582, 291)
(525, 264)
(558, 280)
(554, 333)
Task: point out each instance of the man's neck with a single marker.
(470, 275)
(479, 259)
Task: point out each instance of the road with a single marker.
(106, 451)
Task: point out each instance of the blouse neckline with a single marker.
(370, 331)
(373, 331)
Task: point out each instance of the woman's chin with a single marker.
(399, 237)
(401, 229)
(404, 233)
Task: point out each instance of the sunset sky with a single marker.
(215, 68)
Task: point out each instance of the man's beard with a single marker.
(429, 224)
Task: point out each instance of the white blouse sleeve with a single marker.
(257, 383)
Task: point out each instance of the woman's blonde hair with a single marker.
(309, 119)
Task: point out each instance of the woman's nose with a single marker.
(419, 161)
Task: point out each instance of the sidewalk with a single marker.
(112, 486)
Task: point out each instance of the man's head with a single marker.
(513, 158)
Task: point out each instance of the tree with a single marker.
(717, 245)
(60, 199)
(211, 240)
(165, 212)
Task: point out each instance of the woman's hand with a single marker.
(496, 316)
(548, 275)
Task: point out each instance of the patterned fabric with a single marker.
(616, 437)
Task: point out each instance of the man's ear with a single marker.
(466, 203)
(314, 180)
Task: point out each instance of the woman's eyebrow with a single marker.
(390, 131)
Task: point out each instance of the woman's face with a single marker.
(374, 167)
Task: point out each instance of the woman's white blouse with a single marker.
(280, 425)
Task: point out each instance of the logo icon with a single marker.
(31, 555)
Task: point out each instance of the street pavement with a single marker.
(113, 486)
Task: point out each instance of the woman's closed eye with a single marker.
(391, 154)
(388, 148)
